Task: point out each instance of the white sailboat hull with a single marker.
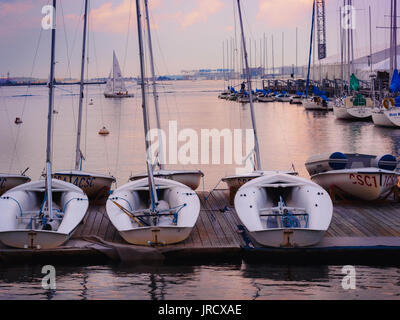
(33, 239)
(380, 119)
(266, 99)
(288, 237)
(9, 181)
(20, 226)
(92, 184)
(192, 179)
(256, 204)
(352, 113)
(133, 196)
(365, 183)
(156, 235)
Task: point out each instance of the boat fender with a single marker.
(337, 161)
(385, 162)
(386, 102)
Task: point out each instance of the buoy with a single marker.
(18, 120)
(104, 131)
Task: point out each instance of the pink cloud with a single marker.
(7, 9)
(288, 13)
(115, 18)
(204, 8)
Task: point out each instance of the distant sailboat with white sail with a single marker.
(115, 87)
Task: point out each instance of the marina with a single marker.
(232, 171)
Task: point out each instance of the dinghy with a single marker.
(152, 211)
(171, 221)
(283, 97)
(190, 178)
(281, 210)
(363, 176)
(92, 184)
(234, 182)
(26, 222)
(269, 97)
(42, 214)
(317, 103)
(95, 185)
(9, 181)
(115, 86)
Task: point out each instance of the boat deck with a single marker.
(359, 232)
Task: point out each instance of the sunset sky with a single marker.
(187, 34)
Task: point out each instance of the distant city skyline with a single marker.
(187, 34)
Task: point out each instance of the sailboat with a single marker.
(363, 176)
(353, 107)
(278, 209)
(152, 211)
(115, 86)
(42, 214)
(191, 178)
(94, 185)
(388, 115)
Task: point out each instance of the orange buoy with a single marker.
(104, 131)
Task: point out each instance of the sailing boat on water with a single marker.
(152, 211)
(115, 87)
(279, 209)
(191, 178)
(95, 185)
(42, 214)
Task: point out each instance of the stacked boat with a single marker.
(362, 176)
(278, 209)
(152, 211)
(42, 214)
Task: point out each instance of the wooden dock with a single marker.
(359, 232)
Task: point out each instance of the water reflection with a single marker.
(214, 281)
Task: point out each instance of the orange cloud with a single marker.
(204, 8)
(14, 8)
(280, 13)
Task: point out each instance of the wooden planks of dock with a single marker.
(355, 227)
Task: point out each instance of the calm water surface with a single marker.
(288, 135)
(237, 282)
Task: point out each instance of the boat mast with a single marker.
(152, 190)
(78, 154)
(113, 72)
(155, 94)
(310, 52)
(50, 116)
(253, 120)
